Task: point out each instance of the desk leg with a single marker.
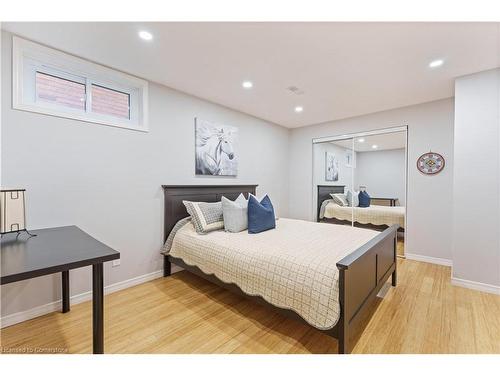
(65, 291)
(98, 308)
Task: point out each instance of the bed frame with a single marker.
(361, 274)
(324, 192)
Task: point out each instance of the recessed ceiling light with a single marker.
(145, 35)
(374, 146)
(436, 63)
(361, 140)
(299, 109)
(247, 84)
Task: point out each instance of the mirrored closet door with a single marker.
(360, 180)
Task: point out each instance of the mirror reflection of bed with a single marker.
(360, 180)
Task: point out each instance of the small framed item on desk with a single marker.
(13, 211)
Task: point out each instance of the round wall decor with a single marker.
(430, 163)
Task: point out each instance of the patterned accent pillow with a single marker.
(340, 199)
(206, 217)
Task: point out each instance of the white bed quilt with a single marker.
(377, 215)
(292, 266)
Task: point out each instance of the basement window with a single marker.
(52, 82)
(110, 102)
(59, 92)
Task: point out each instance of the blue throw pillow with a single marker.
(260, 215)
(364, 199)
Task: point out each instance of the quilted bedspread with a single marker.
(292, 266)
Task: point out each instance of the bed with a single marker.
(373, 217)
(326, 276)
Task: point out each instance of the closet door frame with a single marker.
(352, 137)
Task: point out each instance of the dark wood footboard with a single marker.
(361, 274)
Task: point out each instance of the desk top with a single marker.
(52, 250)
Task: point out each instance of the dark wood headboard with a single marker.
(324, 192)
(175, 194)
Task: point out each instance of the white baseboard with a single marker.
(21, 316)
(488, 288)
(423, 258)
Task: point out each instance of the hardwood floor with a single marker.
(185, 314)
(400, 247)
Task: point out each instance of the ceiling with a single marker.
(342, 69)
(387, 141)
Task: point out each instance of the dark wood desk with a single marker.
(384, 201)
(60, 250)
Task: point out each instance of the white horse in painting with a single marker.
(212, 145)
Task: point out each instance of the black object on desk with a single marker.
(60, 250)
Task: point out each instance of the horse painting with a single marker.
(215, 149)
(331, 167)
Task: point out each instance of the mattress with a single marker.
(291, 267)
(377, 215)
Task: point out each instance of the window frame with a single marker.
(30, 57)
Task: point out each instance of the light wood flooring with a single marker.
(400, 247)
(185, 314)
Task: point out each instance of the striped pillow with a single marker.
(206, 217)
(340, 199)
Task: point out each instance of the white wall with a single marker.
(108, 180)
(476, 241)
(382, 172)
(430, 126)
(345, 173)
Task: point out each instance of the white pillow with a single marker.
(235, 214)
(340, 199)
(352, 198)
